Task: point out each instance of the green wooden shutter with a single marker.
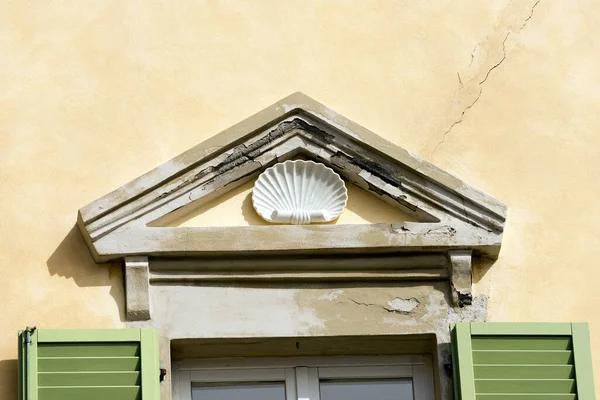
(522, 361)
(115, 364)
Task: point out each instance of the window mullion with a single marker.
(307, 383)
(185, 385)
(423, 380)
(313, 384)
(290, 384)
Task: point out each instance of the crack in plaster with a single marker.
(497, 64)
(530, 14)
(473, 54)
(411, 304)
(367, 304)
(463, 112)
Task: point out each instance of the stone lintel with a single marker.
(187, 242)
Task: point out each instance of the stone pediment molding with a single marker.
(452, 214)
(455, 221)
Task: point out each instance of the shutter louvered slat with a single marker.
(522, 343)
(125, 349)
(67, 364)
(96, 378)
(560, 357)
(562, 386)
(526, 396)
(524, 371)
(90, 393)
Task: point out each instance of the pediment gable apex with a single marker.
(296, 125)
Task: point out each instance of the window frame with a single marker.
(301, 375)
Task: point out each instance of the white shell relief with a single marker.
(299, 192)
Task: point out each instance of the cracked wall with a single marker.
(271, 310)
(503, 94)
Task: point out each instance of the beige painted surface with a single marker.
(93, 94)
(235, 209)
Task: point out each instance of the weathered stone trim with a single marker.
(296, 125)
(461, 277)
(300, 240)
(395, 267)
(137, 286)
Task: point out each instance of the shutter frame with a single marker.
(582, 352)
(146, 339)
(462, 334)
(21, 366)
(464, 362)
(150, 364)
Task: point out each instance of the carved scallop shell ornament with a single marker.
(299, 192)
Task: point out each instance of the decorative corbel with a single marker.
(461, 277)
(137, 286)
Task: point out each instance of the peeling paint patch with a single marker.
(401, 305)
(330, 296)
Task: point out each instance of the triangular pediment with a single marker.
(450, 213)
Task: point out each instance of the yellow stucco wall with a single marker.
(95, 93)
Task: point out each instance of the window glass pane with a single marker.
(367, 390)
(239, 391)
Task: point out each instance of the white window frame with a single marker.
(301, 374)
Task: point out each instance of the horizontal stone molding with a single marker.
(383, 267)
(299, 240)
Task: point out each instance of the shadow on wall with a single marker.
(72, 260)
(8, 378)
(480, 267)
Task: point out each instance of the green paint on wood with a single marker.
(525, 396)
(465, 361)
(88, 335)
(56, 364)
(522, 361)
(21, 366)
(89, 378)
(522, 343)
(525, 385)
(583, 362)
(522, 357)
(150, 365)
(524, 372)
(33, 367)
(90, 393)
(113, 349)
(92, 364)
(520, 328)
